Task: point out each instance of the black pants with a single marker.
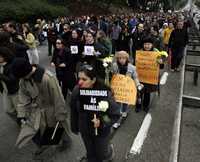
(143, 101)
(114, 44)
(177, 55)
(67, 81)
(98, 148)
(50, 46)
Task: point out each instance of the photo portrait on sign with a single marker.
(89, 50)
(74, 49)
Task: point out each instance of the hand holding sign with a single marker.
(96, 124)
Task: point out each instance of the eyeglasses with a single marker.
(58, 43)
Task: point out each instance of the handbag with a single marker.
(51, 136)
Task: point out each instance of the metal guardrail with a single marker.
(184, 100)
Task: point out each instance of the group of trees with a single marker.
(28, 10)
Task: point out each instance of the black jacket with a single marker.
(178, 38)
(81, 119)
(77, 43)
(8, 78)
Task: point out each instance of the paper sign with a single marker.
(74, 49)
(147, 67)
(91, 98)
(124, 89)
(89, 50)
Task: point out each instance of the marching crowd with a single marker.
(78, 47)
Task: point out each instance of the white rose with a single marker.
(105, 64)
(103, 106)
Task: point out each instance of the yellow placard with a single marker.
(124, 89)
(147, 67)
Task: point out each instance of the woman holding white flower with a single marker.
(94, 125)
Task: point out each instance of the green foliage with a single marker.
(180, 4)
(28, 10)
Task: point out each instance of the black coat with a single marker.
(76, 57)
(8, 78)
(94, 60)
(81, 119)
(178, 38)
(64, 73)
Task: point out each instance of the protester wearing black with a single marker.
(63, 63)
(97, 145)
(137, 39)
(76, 47)
(149, 88)
(11, 83)
(177, 42)
(123, 42)
(66, 34)
(51, 37)
(19, 50)
(100, 51)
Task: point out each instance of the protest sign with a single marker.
(147, 67)
(124, 89)
(92, 100)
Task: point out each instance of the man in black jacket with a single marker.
(177, 42)
(9, 85)
(137, 39)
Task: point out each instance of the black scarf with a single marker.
(123, 68)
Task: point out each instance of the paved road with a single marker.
(156, 146)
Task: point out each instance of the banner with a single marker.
(147, 67)
(124, 89)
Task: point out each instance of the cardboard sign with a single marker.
(124, 89)
(74, 49)
(89, 50)
(147, 67)
(90, 99)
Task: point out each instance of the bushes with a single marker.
(27, 10)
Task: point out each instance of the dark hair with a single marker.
(12, 24)
(62, 40)
(93, 33)
(28, 28)
(6, 54)
(4, 38)
(88, 70)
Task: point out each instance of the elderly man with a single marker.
(41, 103)
(137, 39)
(177, 42)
